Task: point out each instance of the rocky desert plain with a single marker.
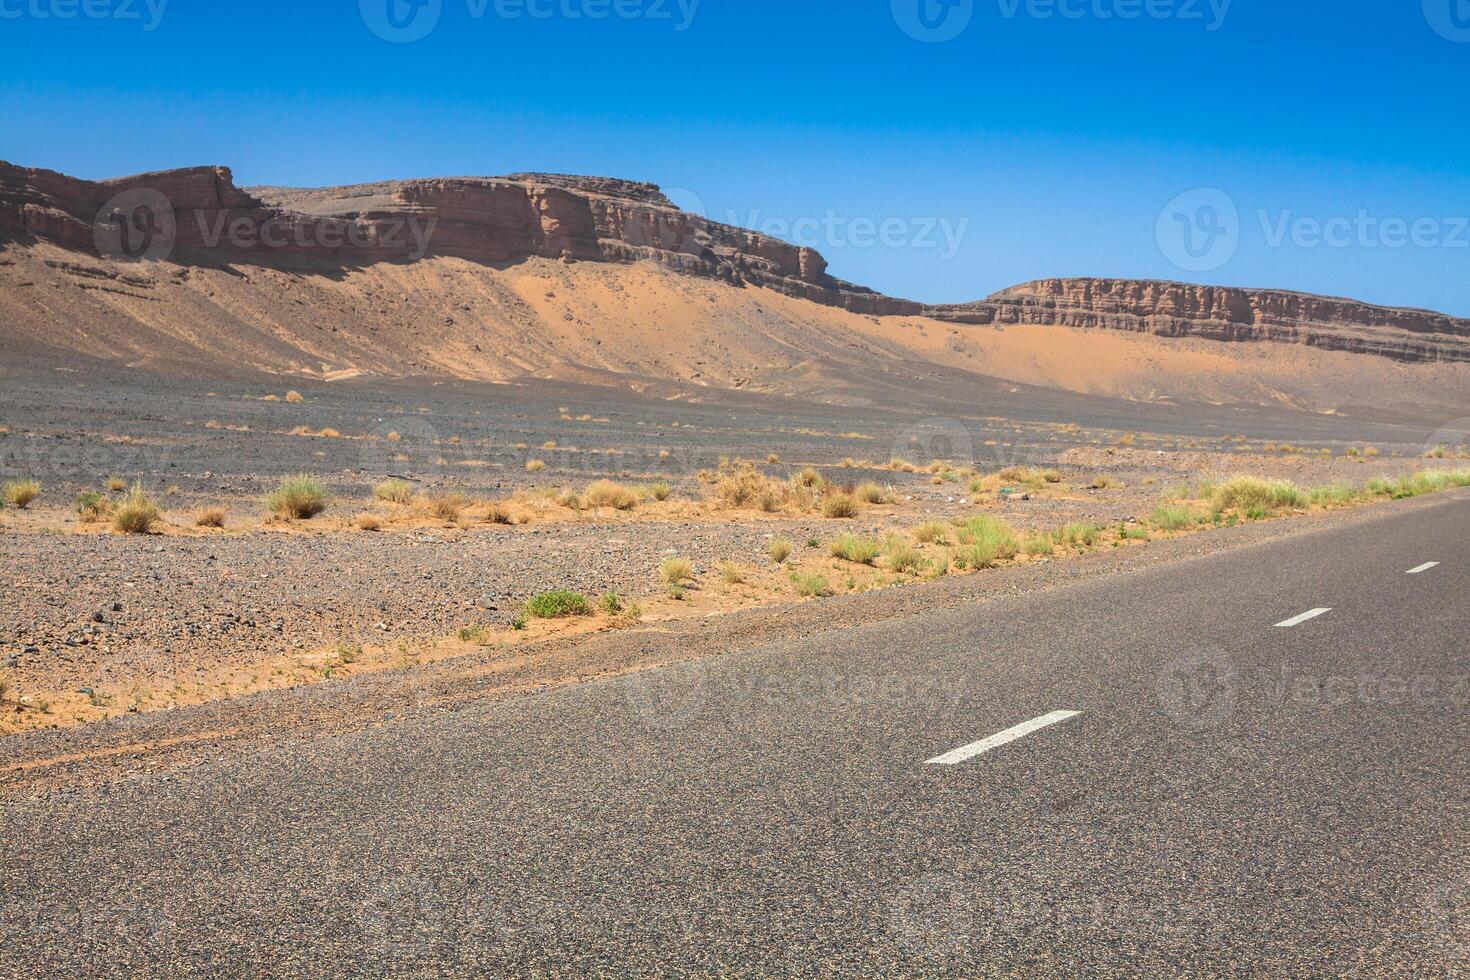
(281, 462)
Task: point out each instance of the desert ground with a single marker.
(101, 626)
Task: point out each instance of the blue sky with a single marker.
(1045, 137)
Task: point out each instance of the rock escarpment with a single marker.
(498, 220)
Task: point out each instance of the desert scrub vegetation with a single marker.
(368, 522)
(1079, 534)
(22, 493)
(1332, 493)
(298, 497)
(810, 477)
(932, 532)
(870, 493)
(497, 514)
(983, 541)
(676, 571)
(607, 493)
(1172, 517)
(731, 573)
(1248, 493)
(134, 513)
(840, 506)
(535, 465)
(780, 550)
(850, 547)
(1417, 484)
(394, 491)
(741, 486)
(1038, 544)
(91, 507)
(116, 484)
(447, 507)
(900, 557)
(610, 603)
(810, 585)
(209, 517)
(557, 604)
(659, 491)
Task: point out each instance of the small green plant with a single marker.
(557, 604)
(22, 493)
(780, 550)
(348, 653)
(676, 570)
(610, 603)
(1173, 518)
(1247, 493)
(394, 491)
(519, 622)
(730, 573)
(850, 547)
(676, 591)
(813, 543)
(92, 506)
(1132, 532)
(1331, 493)
(659, 491)
(810, 585)
(1080, 534)
(983, 535)
(134, 513)
(932, 532)
(901, 557)
(298, 497)
(1038, 544)
(472, 634)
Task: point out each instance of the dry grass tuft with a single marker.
(607, 493)
(780, 550)
(840, 506)
(209, 517)
(1250, 493)
(368, 522)
(535, 465)
(134, 513)
(116, 484)
(294, 397)
(448, 507)
(675, 571)
(394, 491)
(932, 532)
(850, 547)
(870, 493)
(731, 573)
(22, 493)
(92, 507)
(298, 497)
(497, 514)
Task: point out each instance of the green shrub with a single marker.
(901, 557)
(1172, 517)
(932, 532)
(659, 491)
(989, 535)
(92, 506)
(1331, 493)
(297, 497)
(1079, 534)
(810, 585)
(850, 547)
(557, 604)
(610, 603)
(1245, 493)
(1038, 544)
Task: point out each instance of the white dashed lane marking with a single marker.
(1423, 568)
(966, 752)
(1298, 620)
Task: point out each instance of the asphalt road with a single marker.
(1232, 798)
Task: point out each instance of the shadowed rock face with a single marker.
(508, 219)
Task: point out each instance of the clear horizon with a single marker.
(938, 150)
